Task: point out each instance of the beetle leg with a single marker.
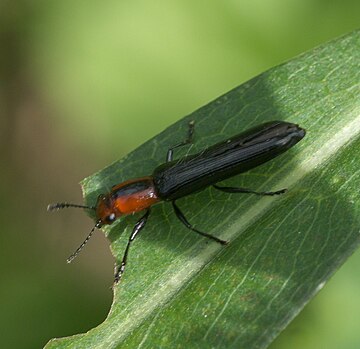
(188, 140)
(183, 220)
(137, 228)
(249, 191)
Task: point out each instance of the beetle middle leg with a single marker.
(188, 140)
(249, 191)
(183, 220)
(137, 228)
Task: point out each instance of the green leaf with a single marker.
(181, 291)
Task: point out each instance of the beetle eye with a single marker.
(111, 217)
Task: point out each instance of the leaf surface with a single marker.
(181, 291)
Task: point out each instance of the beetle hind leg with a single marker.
(249, 191)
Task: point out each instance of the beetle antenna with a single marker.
(59, 205)
(73, 256)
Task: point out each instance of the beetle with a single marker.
(176, 179)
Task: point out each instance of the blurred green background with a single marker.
(83, 83)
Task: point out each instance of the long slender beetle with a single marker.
(178, 178)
